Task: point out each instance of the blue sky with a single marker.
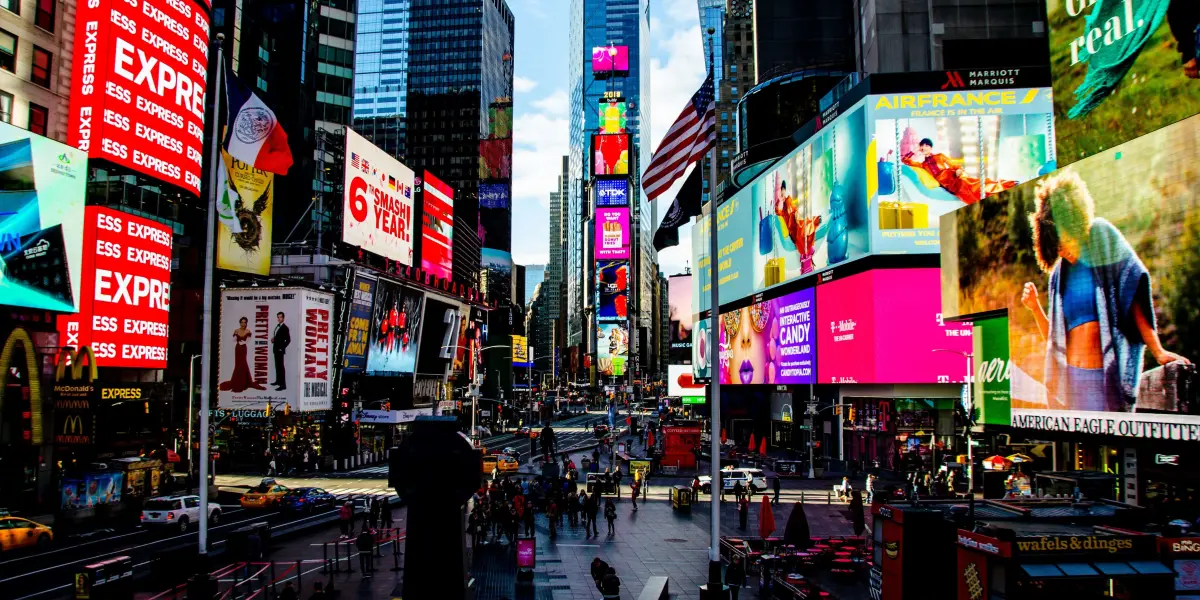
(540, 107)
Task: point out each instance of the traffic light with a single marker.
(851, 414)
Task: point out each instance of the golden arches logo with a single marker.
(20, 336)
(73, 425)
(73, 358)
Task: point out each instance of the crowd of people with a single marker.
(506, 507)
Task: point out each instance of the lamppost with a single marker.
(191, 409)
(474, 404)
(968, 398)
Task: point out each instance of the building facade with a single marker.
(36, 42)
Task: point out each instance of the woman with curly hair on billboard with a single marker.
(1101, 313)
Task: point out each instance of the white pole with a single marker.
(206, 331)
(714, 550)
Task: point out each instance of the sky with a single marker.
(540, 108)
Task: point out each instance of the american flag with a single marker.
(693, 134)
(354, 161)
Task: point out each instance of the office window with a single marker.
(6, 106)
(11, 5)
(40, 72)
(45, 14)
(8, 51)
(39, 118)
(262, 84)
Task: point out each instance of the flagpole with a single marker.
(206, 331)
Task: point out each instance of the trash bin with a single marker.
(681, 498)
(108, 579)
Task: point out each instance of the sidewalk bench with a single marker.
(656, 589)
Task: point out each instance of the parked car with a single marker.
(264, 495)
(307, 500)
(177, 511)
(753, 479)
(16, 532)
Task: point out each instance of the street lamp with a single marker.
(969, 396)
(191, 409)
(474, 404)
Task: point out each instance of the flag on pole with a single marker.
(253, 134)
(693, 133)
(227, 198)
(686, 205)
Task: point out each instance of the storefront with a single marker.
(918, 431)
(380, 430)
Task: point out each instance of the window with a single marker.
(6, 107)
(11, 5)
(40, 72)
(262, 84)
(45, 14)
(8, 51)
(39, 118)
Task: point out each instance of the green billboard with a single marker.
(992, 370)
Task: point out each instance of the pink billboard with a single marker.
(609, 60)
(612, 233)
(885, 326)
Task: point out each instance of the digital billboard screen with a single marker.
(613, 282)
(611, 192)
(43, 187)
(679, 310)
(610, 60)
(886, 326)
(610, 154)
(937, 152)
(495, 218)
(494, 195)
(680, 383)
(126, 290)
(437, 227)
(138, 86)
(612, 348)
(770, 342)
(612, 233)
(358, 330)
(700, 350)
(377, 214)
(1096, 266)
(1121, 69)
(612, 115)
(442, 325)
(395, 328)
(495, 158)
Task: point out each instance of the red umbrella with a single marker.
(762, 447)
(766, 518)
(723, 438)
(650, 439)
(752, 441)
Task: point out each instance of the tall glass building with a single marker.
(596, 23)
(381, 73)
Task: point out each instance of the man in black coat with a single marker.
(279, 343)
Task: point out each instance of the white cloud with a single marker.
(540, 139)
(555, 104)
(682, 10)
(522, 85)
(674, 78)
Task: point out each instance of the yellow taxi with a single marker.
(490, 461)
(264, 495)
(507, 464)
(16, 532)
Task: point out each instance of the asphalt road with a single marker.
(572, 434)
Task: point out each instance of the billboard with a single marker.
(612, 348)
(612, 233)
(437, 227)
(679, 310)
(931, 153)
(611, 192)
(500, 120)
(612, 280)
(126, 290)
(274, 349)
(680, 384)
(1121, 69)
(499, 266)
(250, 250)
(886, 326)
(612, 114)
(1096, 266)
(992, 371)
(42, 189)
(471, 338)
(395, 328)
(608, 61)
(770, 342)
(520, 349)
(138, 85)
(358, 330)
(700, 345)
(442, 326)
(496, 221)
(377, 213)
(610, 154)
(495, 158)
(494, 195)
(807, 213)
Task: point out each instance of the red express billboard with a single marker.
(125, 292)
(437, 227)
(138, 84)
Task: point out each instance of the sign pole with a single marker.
(714, 549)
(206, 331)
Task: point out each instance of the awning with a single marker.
(1096, 569)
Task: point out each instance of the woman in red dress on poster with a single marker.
(241, 379)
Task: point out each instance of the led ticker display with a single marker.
(610, 192)
(612, 116)
(608, 61)
(612, 233)
(610, 154)
(138, 84)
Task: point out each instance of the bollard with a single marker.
(396, 555)
(349, 558)
(325, 558)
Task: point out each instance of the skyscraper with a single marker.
(553, 289)
(381, 73)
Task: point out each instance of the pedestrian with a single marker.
(870, 489)
(346, 518)
(610, 585)
(528, 518)
(738, 490)
(743, 512)
(376, 511)
(474, 522)
(596, 456)
(775, 484)
(270, 466)
(365, 544)
(599, 570)
(289, 592)
(617, 476)
(304, 460)
(552, 518)
(318, 592)
(735, 576)
(633, 488)
(610, 514)
(572, 509)
(593, 511)
(385, 508)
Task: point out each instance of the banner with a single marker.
(520, 349)
(274, 349)
(378, 207)
(250, 250)
(358, 330)
(395, 328)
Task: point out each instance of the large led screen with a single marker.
(886, 326)
(610, 154)
(494, 195)
(610, 60)
(42, 189)
(439, 335)
(612, 279)
(1096, 265)
(1121, 68)
(358, 330)
(499, 267)
(395, 328)
(611, 192)
(679, 311)
(612, 233)
(495, 158)
(437, 227)
(700, 353)
(612, 348)
(126, 289)
(931, 153)
(137, 86)
(680, 383)
(612, 115)
(377, 214)
(770, 342)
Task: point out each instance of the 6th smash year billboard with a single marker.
(1096, 265)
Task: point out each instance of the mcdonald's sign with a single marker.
(74, 388)
(20, 336)
(73, 428)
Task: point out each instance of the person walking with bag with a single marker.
(610, 514)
